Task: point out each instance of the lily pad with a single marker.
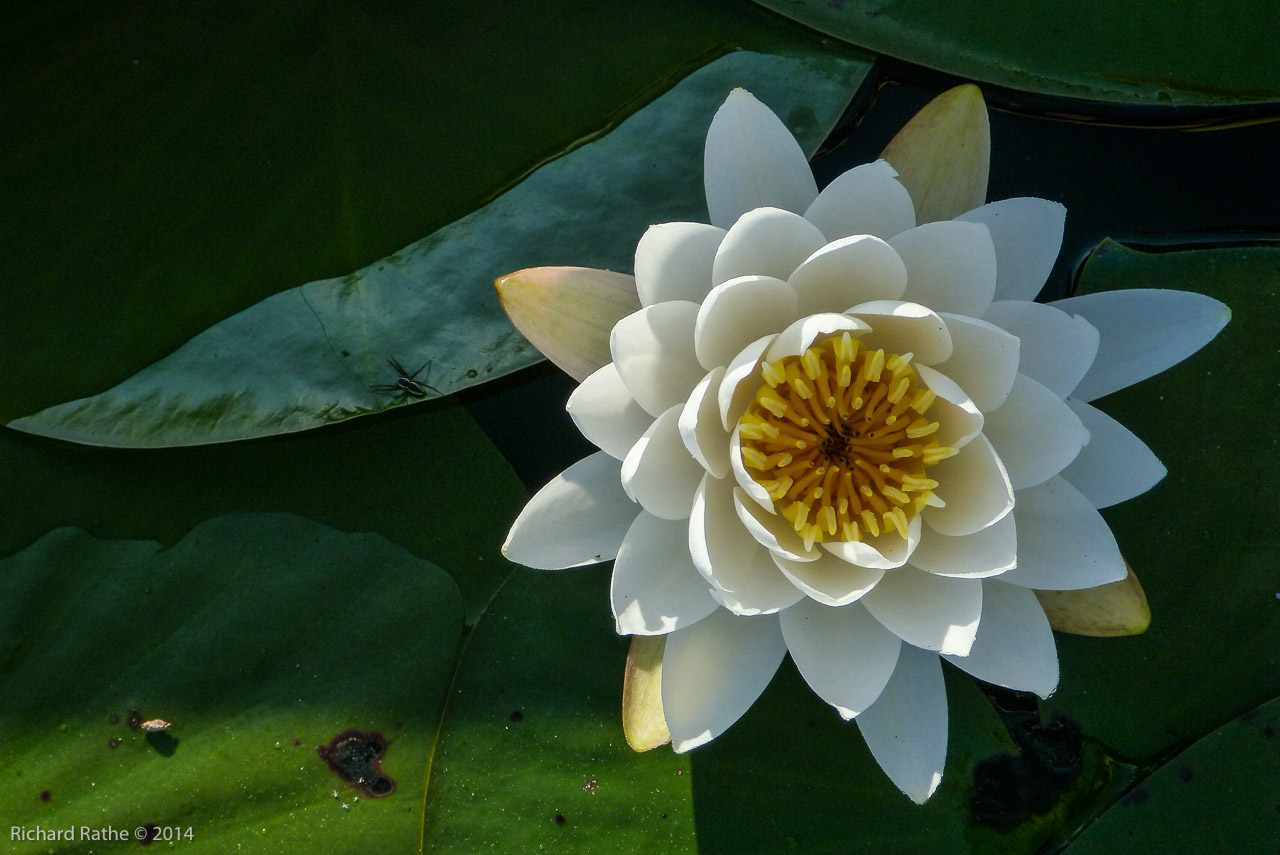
(1102, 50)
(259, 639)
(314, 355)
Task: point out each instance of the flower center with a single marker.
(839, 440)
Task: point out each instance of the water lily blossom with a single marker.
(835, 425)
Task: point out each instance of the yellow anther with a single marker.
(874, 367)
(938, 453)
(896, 518)
(812, 362)
(896, 495)
(899, 362)
(773, 373)
(923, 400)
(827, 519)
(754, 458)
(921, 427)
(870, 523)
(902, 453)
(899, 390)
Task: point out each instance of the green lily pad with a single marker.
(315, 354)
(1102, 50)
(259, 639)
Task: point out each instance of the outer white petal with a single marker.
(905, 328)
(1143, 331)
(766, 242)
(906, 728)
(674, 260)
(772, 531)
(830, 580)
(739, 312)
(983, 361)
(796, 338)
(749, 485)
(989, 552)
(658, 471)
(653, 352)
(951, 266)
(744, 577)
(957, 415)
(655, 588)
(934, 612)
(845, 655)
(1063, 542)
(1116, 465)
(866, 200)
(579, 517)
(1014, 647)
(849, 271)
(752, 161)
(885, 552)
(713, 671)
(741, 380)
(700, 427)
(975, 487)
(1035, 433)
(1027, 234)
(1057, 349)
(605, 412)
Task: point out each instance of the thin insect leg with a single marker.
(397, 366)
(419, 371)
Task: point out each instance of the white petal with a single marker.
(766, 242)
(741, 381)
(951, 266)
(866, 200)
(772, 531)
(983, 361)
(905, 328)
(653, 352)
(1143, 332)
(749, 485)
(579, 517)
(1035, 433)
(658, 471)
(1014, 647)
(1063, 542)
(884, 552)
(752, 161)
(906, 728)
(605, 412)
(988, 552)
(655, 588)
(700, 427)
(1116, 465)
(849, 271)
(830, 580)
(934, 612)
(673, 262)
(975, 487)
(796, 339)
(745, 579)
(1027, 234)
(1057, 349)
(845, 655)
(713, 671)
(739, 312)
(958, 417)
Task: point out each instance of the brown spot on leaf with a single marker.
(560, 819)
(45, 796)
(356, 757)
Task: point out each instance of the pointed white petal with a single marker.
(975, 487)
(796, 338)
(673, 262)
(1143, 332)
(658, 471)
(934, 612)
(653, 352)
(829, 580)
(1027, 234)
(906, 728)
(741, 380)
(884, 552)
(1063, 542)
(866, 200)
(766, 242)
(1057, 349)
(655, 588)
(1035, 433)
(989, 552)
(605, 412)
(772, 531)
(752, 161)
(951, 266)
(983, 361)
(739, 312)
(958, 417)
(700, 427)
(1116, 465)
(905, 328)
(713, 671)
(845, 655)
(579, 517)
(849, 271)
(1014, 647)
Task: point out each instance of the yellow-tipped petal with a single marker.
(642, 720)
(1103, 612)
(943, 155)
(567, 312)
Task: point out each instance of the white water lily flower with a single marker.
(831, 432)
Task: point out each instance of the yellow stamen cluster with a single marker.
(838, 438)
